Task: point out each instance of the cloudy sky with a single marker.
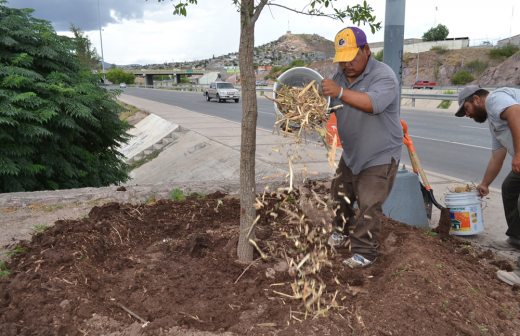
(144, 32)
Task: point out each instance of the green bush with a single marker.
(379, 55)
(477, 66)
(177, 195)
(117, 76)
(4, 270)
(462, 77)
(59, 128)
(444, 104)
(439, 49)
(278, 70)
(503, 52)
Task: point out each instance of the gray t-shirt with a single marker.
(370, 139)
(496, 103)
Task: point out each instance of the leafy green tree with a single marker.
(438, 33)
(85, 52)
(58, 128)
(117, 75)
(379, 55)
(250, 11)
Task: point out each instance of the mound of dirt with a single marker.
(169, 268)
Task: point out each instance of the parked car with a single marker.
(424, 85)
(261, 83)
(222, 91)
(122, 85)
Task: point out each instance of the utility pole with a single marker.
(394, 36)
(101, 41)
(417, 71)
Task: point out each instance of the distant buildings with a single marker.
(514, 40)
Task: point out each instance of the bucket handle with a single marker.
(483, 204)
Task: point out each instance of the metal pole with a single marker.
(394, 36)
(417, 71)
(101, 40)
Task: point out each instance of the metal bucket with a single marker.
(296, 77)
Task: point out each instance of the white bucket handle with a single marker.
(483, 204)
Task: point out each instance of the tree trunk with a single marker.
(248, 131)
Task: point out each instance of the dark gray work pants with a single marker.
(369, 188)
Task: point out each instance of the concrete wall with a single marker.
(426, 46)
(515, 40)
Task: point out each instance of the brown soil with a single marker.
(172, 263)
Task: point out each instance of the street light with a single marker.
(101, 40)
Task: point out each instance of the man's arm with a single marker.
(512, 115)
(356, 99)
(493, 168)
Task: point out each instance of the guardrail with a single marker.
(431, 96)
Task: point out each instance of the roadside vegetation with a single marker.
(117, 76)
(503, 52)
(58, 127)
(278, 70)
(462, 77)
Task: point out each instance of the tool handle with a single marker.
(415, 159)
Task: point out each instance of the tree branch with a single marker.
(330, 16)
(258, 10)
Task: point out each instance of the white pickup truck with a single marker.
(222, 91)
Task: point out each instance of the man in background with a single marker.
(501, 108)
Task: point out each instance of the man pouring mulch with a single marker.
(371, 135)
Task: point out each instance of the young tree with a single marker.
(249, 13)
(438, 33)
(58, 128)
(85, 52)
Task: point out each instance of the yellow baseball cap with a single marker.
(347, 43)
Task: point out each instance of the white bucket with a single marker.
(465, 213)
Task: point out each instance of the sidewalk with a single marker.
(221, 139)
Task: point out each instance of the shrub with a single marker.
(444, 104)
(462, 77)
(379, 55)
(439, 49)
(477, 66)
(58, 128)
(177, 195)
(503, 52)
(278, 70)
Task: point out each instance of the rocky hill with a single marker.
(317, 52)
(505, 73)
(441, 65)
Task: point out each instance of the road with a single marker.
(456, 147)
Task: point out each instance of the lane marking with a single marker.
(483, 128)
(450, 142)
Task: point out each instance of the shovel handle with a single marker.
(416, 164)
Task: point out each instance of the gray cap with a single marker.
(464, 94)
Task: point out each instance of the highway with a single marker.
(457, 147)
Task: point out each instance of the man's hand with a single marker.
(483, 190)
(515, 164)
(330, 88)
